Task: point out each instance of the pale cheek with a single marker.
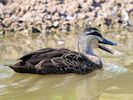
(95, 44)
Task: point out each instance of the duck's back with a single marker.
(54, 61)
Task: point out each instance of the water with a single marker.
(114, 82)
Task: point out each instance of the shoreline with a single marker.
(46, 16)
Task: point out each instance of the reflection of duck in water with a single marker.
(59, 61)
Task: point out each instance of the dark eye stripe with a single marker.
(94, 33)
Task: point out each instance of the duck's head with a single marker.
(91, 38)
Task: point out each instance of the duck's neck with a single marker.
(86, 50)
(85, 46)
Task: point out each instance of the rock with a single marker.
(2, 32)
(1, 9)
(49, 17)
(69, 18)
(108, 21)
(124, 15)
(4, 2)
(35, 30)
(7, 22)
(20, 21)
(32, 2)
(61, 1)
(56, 24)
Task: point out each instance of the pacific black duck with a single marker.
(61, 61)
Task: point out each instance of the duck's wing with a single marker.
(47, 61)
(66, 61)
(36, 53)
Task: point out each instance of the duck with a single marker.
(62, 60)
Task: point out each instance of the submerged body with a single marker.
(61, 61)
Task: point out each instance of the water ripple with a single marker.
(111, 70)
(5, 72)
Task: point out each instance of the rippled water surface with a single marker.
(114, 82)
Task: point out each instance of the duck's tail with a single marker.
(23, 69)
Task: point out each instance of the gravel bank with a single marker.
(40, 16)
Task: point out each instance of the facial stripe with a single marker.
(94, 32)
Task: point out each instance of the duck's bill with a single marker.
(105, 41)
(105, 49)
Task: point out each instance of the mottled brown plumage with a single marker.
(54, 61)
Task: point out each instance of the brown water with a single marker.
(114, 82)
